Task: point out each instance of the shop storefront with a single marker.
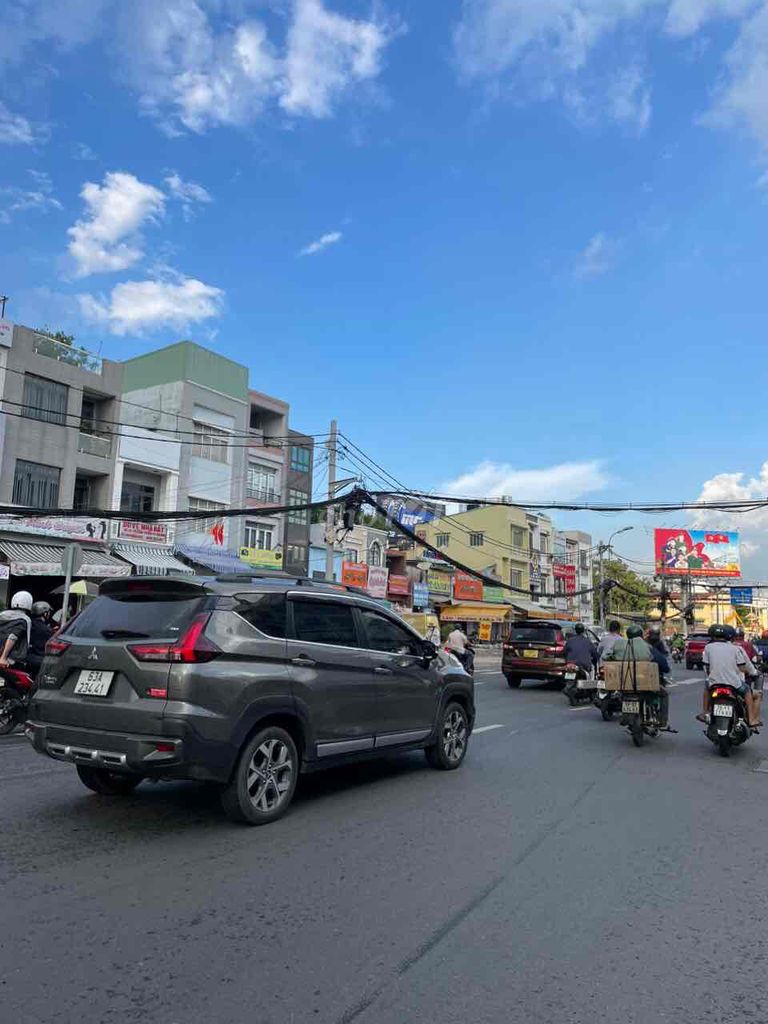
(213, 561)
(476, 618)
(146, 549)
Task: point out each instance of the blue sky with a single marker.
(516, 243)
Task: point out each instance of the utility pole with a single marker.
(3, 300)
(330, 513)
(600, 598)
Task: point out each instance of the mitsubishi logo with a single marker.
(93, 656)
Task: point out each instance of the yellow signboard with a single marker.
(484, 631)
(262, 558)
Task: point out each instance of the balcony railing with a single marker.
(259, 494)
(53, 349)
(94, 444)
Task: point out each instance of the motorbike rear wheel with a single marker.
(637, 732)
(724, 746)
(607, 714)
(8, 713)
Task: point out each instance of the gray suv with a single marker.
(244, 682)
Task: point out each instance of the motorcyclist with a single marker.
(678, 646)
(635, 648)
(579, 649)
(606, 645)
(15, 629)
(40, 633)
(740, 639)
(459, 645)
(726, 664)
(655, 638)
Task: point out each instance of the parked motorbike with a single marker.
(728, 722)
(580, 686)
(15, 692)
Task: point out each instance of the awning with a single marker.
(45, 560)
(533, 608)
(473, 613)
(151, 559)
(220, 561)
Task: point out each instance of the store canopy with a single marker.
(220, 561)
(45, 560)
(151, 559)
(473, 613)
(533, 608)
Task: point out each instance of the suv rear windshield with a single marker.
(132, 616)
(534, 634)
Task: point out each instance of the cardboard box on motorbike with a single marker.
(631, 675)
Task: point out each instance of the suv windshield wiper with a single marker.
(127, 634)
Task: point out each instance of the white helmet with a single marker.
(23, 600)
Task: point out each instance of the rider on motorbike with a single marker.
(15, 629)
(459, 645)
(579, 650)
(726, 664)
(635, 648)
(40, 633)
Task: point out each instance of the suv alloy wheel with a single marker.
(452, 736)
(264, 780)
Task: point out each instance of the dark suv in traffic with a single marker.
(535, 649)
(244, 682)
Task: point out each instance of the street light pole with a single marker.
(600, 549)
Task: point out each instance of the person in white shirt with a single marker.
(727, 664)
(457, 642)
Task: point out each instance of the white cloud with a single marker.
(108, 237)
(685, 17)
(139, 307)
(331, 238)
(187, 192)
(15, 130)
(82, 151)
(596, 258)
(629, 99)
(737, 486)
(742, 97)
(496, 479)
(16, 199)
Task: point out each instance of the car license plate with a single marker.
(724, 710)
(94, 684)
(570, 676)
(530, 654)
(630, 707)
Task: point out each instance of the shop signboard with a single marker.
(262, 558)
(84, 530)
(494, 595)
(741, 595)
(467, 588)
(484, 631)
(439, 583)
(144, 533)
(420, 595)
(692, 553)
(354, 574)
(566, 573)
(5, 572)
(377, 581)
(399, 586)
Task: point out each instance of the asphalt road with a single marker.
(560, 875)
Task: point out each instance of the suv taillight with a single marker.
(54, 648)
(192, 648)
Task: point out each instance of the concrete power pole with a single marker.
(330, 514)
(600, 596)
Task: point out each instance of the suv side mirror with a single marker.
(429, 652)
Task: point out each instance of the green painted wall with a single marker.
(186, 361)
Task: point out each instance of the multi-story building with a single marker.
(299, 456)
(573, 574)
(265, 485)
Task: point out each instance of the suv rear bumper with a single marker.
(114, 751)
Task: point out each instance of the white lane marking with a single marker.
(686, 682)
(487, 728)
(583, 707)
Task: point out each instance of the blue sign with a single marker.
(741, 595)
(420, 595)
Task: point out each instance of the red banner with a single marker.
(354, 574)
(566, 573)
(399, 585)
(467, 588)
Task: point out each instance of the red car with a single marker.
(694, 649)
(535, 649)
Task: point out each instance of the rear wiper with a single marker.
(127, 634)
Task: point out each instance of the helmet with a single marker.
(730, 633)
(717, 631)
(654, 628)
(579, 627)
(633, 632)
(40, 609)
(23, 600)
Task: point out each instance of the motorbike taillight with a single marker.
(721, 691)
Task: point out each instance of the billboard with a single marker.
(467, 588)
(566, 573)
(354, 574)
(697, 553)
(377, 581)
(408, 513)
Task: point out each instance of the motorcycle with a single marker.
(641, 714)
(15, 692)
(728, 722)
(580, 686)
(677, 655)
(467, 659)
(607, 702)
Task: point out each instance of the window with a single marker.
(209, 442)
(442, 540)
(385, 635)
(137, 497)
(296, 556)
(88, 415)
(351, 555)
(202, 505)
(476, 540)
(45, 400)
(544, 543)
(161, 616)
(584, 561)
(258, 536)
(321, 622)
(265, 612)
(301, 460)
(262, 482)
(516, 578)
(374, 554)
(35, 485)
(518, 537)
(298, 498)
(81, 497)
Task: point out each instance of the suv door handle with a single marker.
(303, 661)
(380, 670)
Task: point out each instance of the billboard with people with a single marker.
(697, 553)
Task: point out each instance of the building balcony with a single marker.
(267, 497)
(99, 445)
(42, 345)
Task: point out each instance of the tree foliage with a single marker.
(617, 600)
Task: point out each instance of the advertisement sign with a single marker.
(263, 558)
(354, 574)
(72, 529)
(6, 333)
(494, 595)
(5, 572)
(399, 585)
(741, 595)
(438, 583)
(484, 631)
(408, 513)
(467, 588)
(146, 533)
(696, 553)
(377, 581)
(420, 595)
(566, 573)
